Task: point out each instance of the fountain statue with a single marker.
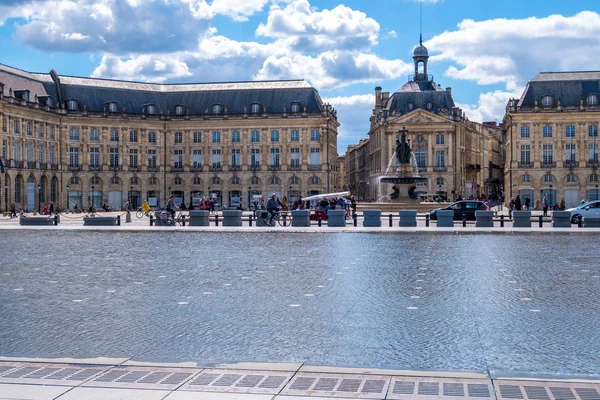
(406, 172)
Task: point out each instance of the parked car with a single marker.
(462, 207)
(584, 210)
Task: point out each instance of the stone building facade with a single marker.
(82, 141)
(459, 157)
(552, 139)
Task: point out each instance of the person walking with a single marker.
(13, 210)
(518, 204)
(545, 206)
(511, 206)
(527, 203)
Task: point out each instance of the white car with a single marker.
(591, 208)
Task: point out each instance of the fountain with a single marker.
(406, 174)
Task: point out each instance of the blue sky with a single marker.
(485, 50)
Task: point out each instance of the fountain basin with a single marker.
(403, 179)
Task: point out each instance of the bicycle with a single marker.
(263, 217)
(165, 216)
(140, 213)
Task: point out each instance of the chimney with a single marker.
(378, 97)
(449, 91)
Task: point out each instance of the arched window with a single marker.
(547, 101)
(593, 177)
(411, 105)
(592, 100)
(548, 178)
(295, 107)
(112, 107)
(274, 181)
(95, 180)
(295, 180)
(72, 105)
(429, 105)
(216, 180)
(18, 188)
(440, 181)
(153, 180)
(177, 180)
(235, 180)
(314, 180)
(197, 180)
(134, 180)
(571, 178)
(115, 180)
(74, 181)
(255, 180)
(217, 109)
(179, 110)
(526, 178)
(150, 109)
(255, 108)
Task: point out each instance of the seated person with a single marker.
(272, 207)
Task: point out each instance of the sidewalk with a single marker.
(109, 379)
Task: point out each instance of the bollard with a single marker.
(355, 218)
(390, 217)
(55, 220)
(183, 220)
(541, 221)
(319, 220)
(151, 220)
(427, 220)
(284, 220)
(502, 221)
(216, 219)
(128, 217)
(118, 220)
(464, 219)
(250, 219)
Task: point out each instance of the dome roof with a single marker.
(421, 51)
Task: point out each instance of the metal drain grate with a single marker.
(529, 390)
(49, 374)
(439, 388)
(238, 381)
(337, 385)
(143, 378)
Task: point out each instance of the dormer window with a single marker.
(112, 107)
(45, 101)
(295, 108)
(217, 109)
(255, 108)
(592, 100)
(179, 110)
(547, 101)
(72, 105)
(22, 95)
(150, 109)
(429, 105)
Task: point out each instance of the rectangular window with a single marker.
(52, 133)
(152, 158)
(42, 155)
(216, 137)
(40, 130)
(4, 124)
(593, 153)
(114, 135)
(216, 158)
(547, 131)
(295, 158)
(294, 135)
(17, 126)
(29, 130)
(274, 136)
(178, 157)
(133, 136)
(52, 155)
(133, 158)
(114, 157)
(315, 157)
(570, 131)
(73, 134)
(152, 137)
(29, 152)
(235, 157)
(74, 156)
(255, 136)
(570, 153)
(440, 159)
(17, 150)
(593, 130)
(178, 137)
(315, 135)
(5, 149)
(197, 137)
(94, 157)
(255, 157)
(525, 133)
(547, 154)
(439, 138)
(275, 158)
(235, 137)
(94, 135)
(197, 158)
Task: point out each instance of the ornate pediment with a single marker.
(421, 117)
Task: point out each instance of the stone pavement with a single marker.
(108, 379)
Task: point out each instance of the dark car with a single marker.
(463, 207)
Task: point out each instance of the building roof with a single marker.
(94, 93)
(417, 94)
(570, 88)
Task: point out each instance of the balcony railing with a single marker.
(53, 167)
(177, 168)
(215, 167)
(95, 167)
(74, 168)
(294, 167)
(592, 164)
(134, 168)
(235, 167)
(569, 164)
(549, 164)
(196, 168)
(43, 166)
(440, 169)
(153, 168)
(31, 165)
(315, 167)
(524, 165)
(115, 167)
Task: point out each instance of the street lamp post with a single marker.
(597, 198)
(39, 197)
(6, 196)
(93, 198)
(68, 197)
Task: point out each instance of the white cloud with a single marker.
(150, 68)
(309, 31)
(238, 10)
(512, 51)
(490, 106)
(353, 115)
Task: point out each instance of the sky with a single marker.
(485, 50)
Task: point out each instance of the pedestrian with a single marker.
(527, 203)
(51, 208)
(537, 204)
(511, 206)
(518, 204)
(13, 210)
(562, 205)
(545, 206)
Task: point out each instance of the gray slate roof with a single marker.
(419, 93)
(568, 87)
(197, 98)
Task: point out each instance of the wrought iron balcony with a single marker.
(440, 169)
(570, 164)
(524, 165)
(74, 168)
(315, 167)
(549, 164)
